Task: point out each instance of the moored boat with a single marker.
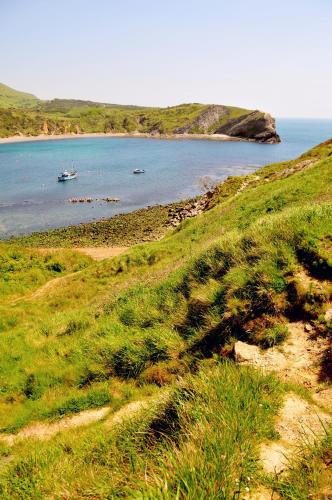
(138, 171)
(67, 176)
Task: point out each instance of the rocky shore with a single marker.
(90, 200)
(191, 209)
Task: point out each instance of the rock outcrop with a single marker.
(206, 120)
(251, 125)
(195, 207)
(257, 126)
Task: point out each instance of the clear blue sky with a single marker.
(275, 56)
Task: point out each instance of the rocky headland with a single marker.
(25, 117)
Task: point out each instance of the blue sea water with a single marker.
(31, 198)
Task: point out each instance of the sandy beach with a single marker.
(45, 137)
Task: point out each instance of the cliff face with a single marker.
(257, 126)
(217, 119)
(207, 119)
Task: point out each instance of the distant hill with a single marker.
(24, 114)
(11, 98)
(64, 105)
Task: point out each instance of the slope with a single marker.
(168, 313)
(11, 98)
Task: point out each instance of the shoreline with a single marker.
(125, 229)
(137, 135)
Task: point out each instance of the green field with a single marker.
(157, 325)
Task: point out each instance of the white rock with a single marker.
(245, 353)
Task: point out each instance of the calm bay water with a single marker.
(31, 198)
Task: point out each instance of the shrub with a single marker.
(32, 388)
(274, 336)
(127, 316)
(57, 267)
(129, 361)
(75, 326)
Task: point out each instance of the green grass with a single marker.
(201, 442)
(163, 314)
(24, 114)
(240, 287)
(24, 270)
(11, 98)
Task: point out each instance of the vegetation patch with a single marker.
(160, 319)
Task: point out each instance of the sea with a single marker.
(31, 199)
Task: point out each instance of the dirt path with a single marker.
(96, 253)
(128, 411)
(298, 360)
(45, 430)
(298, 423)
(49, 286)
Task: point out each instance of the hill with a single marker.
(128, 377)
(11, 98)
(21, 115)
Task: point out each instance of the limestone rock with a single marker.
(245, 353)
(257, 126)
(205, 120)
(328, 315)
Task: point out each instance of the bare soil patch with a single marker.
(298, 360)
(45, 430)
(299, 423)
(100, 253)
(96, 253)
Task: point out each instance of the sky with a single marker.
(273, 56)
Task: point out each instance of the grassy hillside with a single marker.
(11, 98)
(51, 119)
(24, 114)
(156, 326)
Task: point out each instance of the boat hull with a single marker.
(67, 178)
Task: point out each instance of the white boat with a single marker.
(138, 171)
(67, 176)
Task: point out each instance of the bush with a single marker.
(274, 336)
(57, 267)
(32, 389)
(129, 361)
(75, 326)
